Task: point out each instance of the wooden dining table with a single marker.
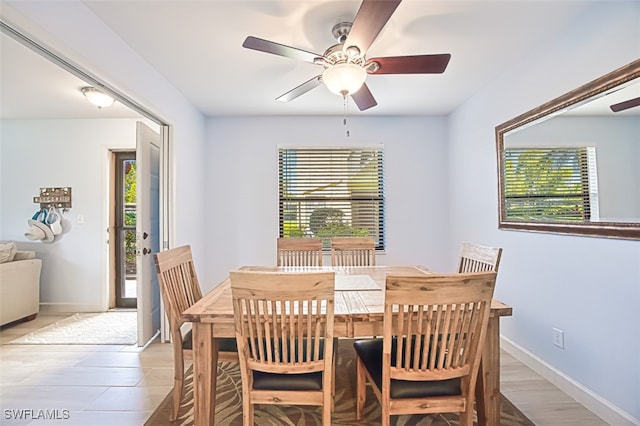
(359, 312)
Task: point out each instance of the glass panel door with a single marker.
(126, 286)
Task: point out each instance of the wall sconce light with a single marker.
(96, 97)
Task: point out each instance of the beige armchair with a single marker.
(20, 287)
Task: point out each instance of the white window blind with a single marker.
(549, 183)
(329, 192)
(594, 200)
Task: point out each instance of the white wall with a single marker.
(588, 287)
(242, 184)
(75, 154)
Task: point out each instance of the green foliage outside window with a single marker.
(324, 218)
(291, 230)
(129, 195)
(341, 230)
(327, 223)
(544, 184)
(130, 180)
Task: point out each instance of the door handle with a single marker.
(146, 251)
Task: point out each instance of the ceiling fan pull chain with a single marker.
(346, 110)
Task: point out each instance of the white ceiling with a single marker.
(33, 87)
(197, 46)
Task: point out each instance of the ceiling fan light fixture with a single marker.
(344, 79)
(97, 97)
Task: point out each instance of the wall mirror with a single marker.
(572, 165)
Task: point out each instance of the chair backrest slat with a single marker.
(284, 320)
(353, 251)
(436, 323)
(478, 258)
(299, 252)
(179, 284)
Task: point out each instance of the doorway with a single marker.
(125, 108)
(125, 229)
(134, 230)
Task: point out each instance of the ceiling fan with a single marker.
(345, 64)
(621, 106)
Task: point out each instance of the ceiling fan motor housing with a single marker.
(340, 31)
(336, 55)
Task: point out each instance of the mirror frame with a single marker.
(619, 230)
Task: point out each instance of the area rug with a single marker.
(105, 328)
(229, 403)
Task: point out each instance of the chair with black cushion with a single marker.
(299, 251)
(284, 332)
(478, 258)
(427, 360)
(180, 289)
(353, 251)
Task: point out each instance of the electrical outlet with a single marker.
(558, 338)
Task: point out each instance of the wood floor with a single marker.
(107, 385)
(542, 402)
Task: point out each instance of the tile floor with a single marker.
(80, 384)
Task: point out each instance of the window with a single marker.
(551, 184)
(329, 192)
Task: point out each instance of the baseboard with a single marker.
(590, 400)
(69, 308)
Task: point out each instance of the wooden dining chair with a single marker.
(478, 258)
(284, 332)
(299, 252)
(427, 360)
(180, 289)
(353, 251)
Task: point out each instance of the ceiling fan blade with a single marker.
(363, 98)
(420, 64)
(369, 21)
(267, 46)
(625, 105)
(301, 90)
